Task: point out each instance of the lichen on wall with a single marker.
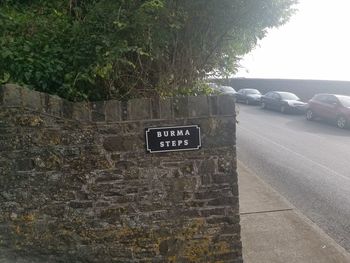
(76, 188)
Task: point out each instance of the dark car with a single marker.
(283, 102)
(248, 96)
(330, 107)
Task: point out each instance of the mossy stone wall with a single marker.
(76, 183)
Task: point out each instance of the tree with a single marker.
(101, 49)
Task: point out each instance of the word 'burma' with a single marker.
(173, 143)
(161, 134)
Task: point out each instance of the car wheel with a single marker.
(310, 115)
(247, 101)
(263, 105)
(283, 109)
(341, 122)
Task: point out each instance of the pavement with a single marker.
(274, 231)
(307, 162)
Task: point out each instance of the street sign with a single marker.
(171, 139)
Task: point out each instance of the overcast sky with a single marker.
(315, 44)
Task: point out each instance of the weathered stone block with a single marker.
(111, 176)
(223, 201)
(98, 111)
(180, 107)
(67, 109)
(80, 204)
(2, 88)
(31, 99)
(222, 179)
(54, 105)
(81, 111)
(25, 164)
(208, 167)
(198, 106)
(155, 108)
(227, 164)
(213, 105)
(113, 111)
(207, 212)
(226, 105)
(122, 144)
(219, 132)
(139, 109)
(166, 109)
(11, 95)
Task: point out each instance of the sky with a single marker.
(314, 44)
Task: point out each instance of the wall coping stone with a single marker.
(191, 107)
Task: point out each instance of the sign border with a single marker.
(147, 130)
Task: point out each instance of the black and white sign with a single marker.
(169, 139)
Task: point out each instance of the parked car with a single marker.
(248, 96)
(283, 102)
(330, 107)
(226, 90)
(218, 89)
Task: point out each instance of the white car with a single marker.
(218, 89)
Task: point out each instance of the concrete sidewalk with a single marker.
(274, 231)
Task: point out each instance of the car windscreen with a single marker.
(227, 89)
(288, 96)
(344, 100)
(252, 91)
(212, 85)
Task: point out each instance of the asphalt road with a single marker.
(307, 162)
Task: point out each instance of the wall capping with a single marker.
(191, 107)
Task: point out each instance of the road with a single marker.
(307, 162)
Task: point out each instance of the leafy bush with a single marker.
(101, 49)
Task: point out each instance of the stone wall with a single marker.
(76, 184)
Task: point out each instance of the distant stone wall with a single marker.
(305, 89)
(76, 184)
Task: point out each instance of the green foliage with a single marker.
(101, 49)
